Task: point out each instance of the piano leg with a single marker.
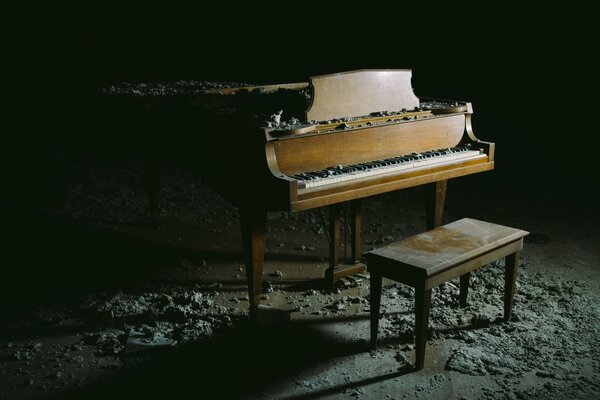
(355, 223)
(253, 223)
(434, 203)
(335, 270)
(334, 241)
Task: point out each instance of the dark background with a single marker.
(523, 75)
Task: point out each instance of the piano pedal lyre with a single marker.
(352, 265)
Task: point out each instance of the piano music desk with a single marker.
(431, 258)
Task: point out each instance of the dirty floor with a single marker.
(104, 305)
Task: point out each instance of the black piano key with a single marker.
(370, 165)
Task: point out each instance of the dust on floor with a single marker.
(180, 331)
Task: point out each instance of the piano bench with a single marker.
(431, 258)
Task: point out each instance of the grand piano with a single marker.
(362, 133)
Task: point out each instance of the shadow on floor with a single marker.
(245, 361)
(49, 260)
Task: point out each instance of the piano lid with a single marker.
(361, 92)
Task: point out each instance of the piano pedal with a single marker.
(364, 276)
(345, 275)
(344, 283)
(352, 280)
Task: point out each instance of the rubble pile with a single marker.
(553, 328)
(549, 349)
(152, 89)
(176, 313)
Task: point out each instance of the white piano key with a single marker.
(425, 162)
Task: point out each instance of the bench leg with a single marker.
(464, 289)
(422, 303)
(510, 278)
(376, 280)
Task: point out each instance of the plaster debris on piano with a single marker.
(328, 142)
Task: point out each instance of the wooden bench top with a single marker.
(450, 245)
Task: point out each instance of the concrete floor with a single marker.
(45, 351)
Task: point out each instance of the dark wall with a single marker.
(519, 79)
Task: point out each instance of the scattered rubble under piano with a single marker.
(191, 311)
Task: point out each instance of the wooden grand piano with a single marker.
(364, 133)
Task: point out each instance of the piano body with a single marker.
(364, 133)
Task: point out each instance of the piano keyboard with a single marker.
(412, 161)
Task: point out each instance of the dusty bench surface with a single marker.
(429, 259)
(449, 245)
